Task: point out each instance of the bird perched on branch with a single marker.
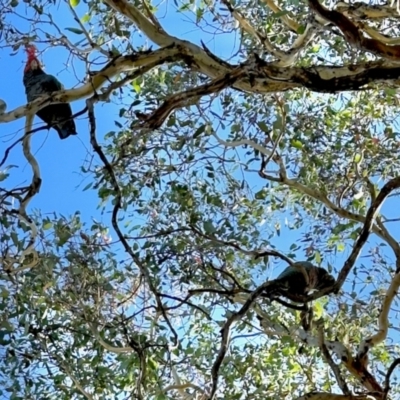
(297, 280)
(37, 83)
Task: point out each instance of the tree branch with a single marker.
(335, 368)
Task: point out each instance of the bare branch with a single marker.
(40, 128)
(112, 349)
(284, 58)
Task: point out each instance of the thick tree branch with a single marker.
(190, 97)
(361, 10)
(266, 78)
(353, 35)
(326, 79)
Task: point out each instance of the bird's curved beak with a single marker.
(34, 64)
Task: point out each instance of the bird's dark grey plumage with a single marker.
(292, 283)
(37, 83)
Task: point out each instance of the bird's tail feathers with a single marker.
(65, 132)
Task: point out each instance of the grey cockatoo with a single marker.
(292, 283)
(37, 83)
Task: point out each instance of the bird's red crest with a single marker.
(31, 51)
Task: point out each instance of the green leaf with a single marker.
(208, 226)
(14, 238)
(263, 126)
(260, 195)
(340, 247)
(88, 186)
(6, 325)
(85, 18)
(357, 158)
(3, 176)
(75, 30)
(301, 29)
(47, 225)
(297, 144)
(199, 131)
(136, 86)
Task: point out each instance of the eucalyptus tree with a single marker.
(250, 135)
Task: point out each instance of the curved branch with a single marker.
(368, 220)
(34, 188)
(109, 347)
(284, 58)
(180, 387)
(190, 97)
(254, 253)
(392, 367)
(266, 77)
(393, 184)
(114, 218)
(209, 66)
(341, 212)
(353, 35)
(383, 321)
